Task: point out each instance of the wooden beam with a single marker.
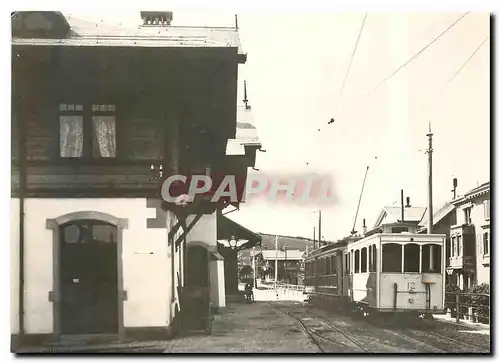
(188, 229)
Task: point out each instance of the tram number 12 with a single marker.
(410, 285)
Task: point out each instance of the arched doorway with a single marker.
(88, 277)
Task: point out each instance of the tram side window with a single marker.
(374, 259)
(431, 262)
(333, 264)
(363, 259)
(412, 258)
(356, 261)
(391, 257)
(328, 267)
(346, 263)
(370, 259)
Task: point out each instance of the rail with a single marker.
(473, 305)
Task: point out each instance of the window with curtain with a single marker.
(104, 137)
(70, 131)
(73, 131)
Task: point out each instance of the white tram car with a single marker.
(382, 271)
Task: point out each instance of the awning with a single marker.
(226, 229)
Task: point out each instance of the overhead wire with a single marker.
(457, 72)
(352, 55)
(462, 67)
(349, 66)
(416, 54)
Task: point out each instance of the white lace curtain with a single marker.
(71, 136)
(104, 130)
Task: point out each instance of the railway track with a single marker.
(418, 343)
(458, 343)
(316, 332)
(356, 336)
(420, 330)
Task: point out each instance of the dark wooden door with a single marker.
(197, 267)
(88, 278)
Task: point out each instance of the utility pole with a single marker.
(429, 153)
(431, 214)
(253, 268)
(314, 238)
(276, 265)
(286, 262)
(402, 207)
(319, 230)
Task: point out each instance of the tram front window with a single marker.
(431, 258)
(391, 257)
(412, 258)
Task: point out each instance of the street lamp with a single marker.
(233, 243)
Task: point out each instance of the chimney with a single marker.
(408, 202)
(364, 226)
(156, 18)
(454, 190)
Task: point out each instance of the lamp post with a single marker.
(233, 244)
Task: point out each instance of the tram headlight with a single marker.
(410, 301)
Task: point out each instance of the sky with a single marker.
(294, 72)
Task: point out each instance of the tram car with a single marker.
(391, 269)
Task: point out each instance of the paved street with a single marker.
(287, 326)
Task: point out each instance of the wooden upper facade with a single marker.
(95, 120)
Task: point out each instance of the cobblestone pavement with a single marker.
(281, 326)
(248, 328)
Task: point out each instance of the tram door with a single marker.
(344, 274)
(340, 274)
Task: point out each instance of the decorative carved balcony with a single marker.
(462, 229)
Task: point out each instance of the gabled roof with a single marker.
(473, 193)
(86, 32)
(441, 213)
(392, 214)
